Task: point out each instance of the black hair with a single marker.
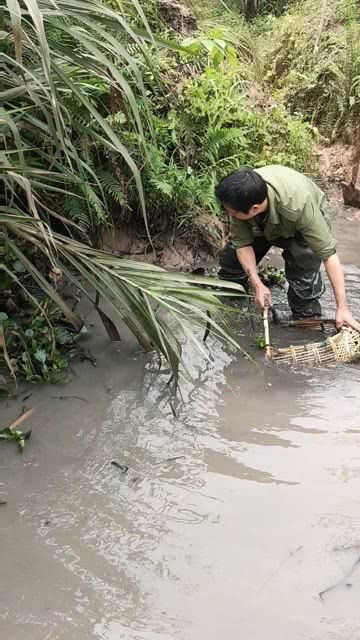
(241, 189)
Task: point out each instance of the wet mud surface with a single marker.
(238, 518)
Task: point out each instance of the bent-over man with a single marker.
(277, 206)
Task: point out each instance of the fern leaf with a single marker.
(164, 187)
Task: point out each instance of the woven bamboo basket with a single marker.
(343, 347)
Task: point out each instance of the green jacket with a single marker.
(296, 207)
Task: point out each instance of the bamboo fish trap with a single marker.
(342, 347)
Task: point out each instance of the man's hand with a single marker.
(247, 259)
(263, 296)
(344, 318)
(335, 274)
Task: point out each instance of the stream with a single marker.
(237, 518)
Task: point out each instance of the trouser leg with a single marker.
(306, 286)
(230, 267)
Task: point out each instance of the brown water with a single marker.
(231, 519)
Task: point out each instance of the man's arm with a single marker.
(246, 257)
(335, 274)
(316, 232)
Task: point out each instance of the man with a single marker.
(277, 206)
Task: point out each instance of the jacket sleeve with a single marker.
(241, 233)
(314, 227)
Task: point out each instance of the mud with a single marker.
(226, 521)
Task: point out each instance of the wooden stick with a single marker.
(267, 332)
(309, 322)
(20, 420)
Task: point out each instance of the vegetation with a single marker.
(63, 103)
(209, 115)
(271, 276)
(260, 342)
(110, 117)
(13, 434)
(39, 347)
(315, 64)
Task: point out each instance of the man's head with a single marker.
(243, 194)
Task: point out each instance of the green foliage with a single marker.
(254, 8)
(13, 436)
(112, 187)
(218, 45)
(56, 106)
(129, 9)
(230, 129)
(211, 125)
(225, 13)
(137, 292)
(232, 12)
(260, 342)
(275, 7)
(98, 119)
(39, 348)
(271, 276)
(70, 101)
(317, 64)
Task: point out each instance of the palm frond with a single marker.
(56, 116)
(148, 299)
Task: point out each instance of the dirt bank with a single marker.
(170, 249)
(185, 251)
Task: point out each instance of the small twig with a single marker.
(309, 322)
(208, 326)
(123, 467)
(68, 397)
(170, 459)
(173, 410)
(13, 426)
(340, 582)
(348, 547)
(89, 357)
(289, 555)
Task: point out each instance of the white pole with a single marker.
(267, 332)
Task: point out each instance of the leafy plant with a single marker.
(56, 55)
(39, 347)
(13, 434)
(210, 128)
(270, 275)
(217, 46)
(317, 64)
(260, 342)
(66, 63)
(254, 8)
(136, 291)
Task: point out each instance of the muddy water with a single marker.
(227, 520)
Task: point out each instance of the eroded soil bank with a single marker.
(226, 521)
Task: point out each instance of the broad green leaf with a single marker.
(40, 355)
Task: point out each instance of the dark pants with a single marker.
(302, 271)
